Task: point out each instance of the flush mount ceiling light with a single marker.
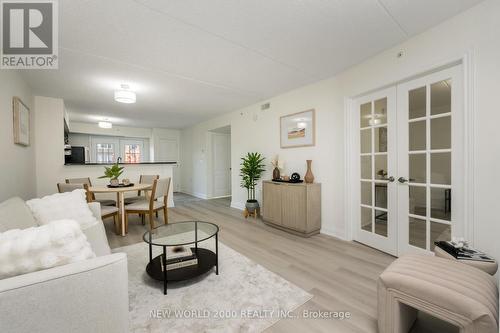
(125, 95)
(105, 124)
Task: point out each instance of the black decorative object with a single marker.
(120, 185)
(288, 181)
(295, 177)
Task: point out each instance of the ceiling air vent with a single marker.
(265, 106)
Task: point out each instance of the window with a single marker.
(105, 153)
(132, 153)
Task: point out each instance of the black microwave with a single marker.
(77, 155)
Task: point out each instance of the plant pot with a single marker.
(252, 205)
(114, 182)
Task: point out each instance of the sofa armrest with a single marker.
(87, 296)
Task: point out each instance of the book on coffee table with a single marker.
(180, 264)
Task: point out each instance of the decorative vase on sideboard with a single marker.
(309, 177)
(276, 173)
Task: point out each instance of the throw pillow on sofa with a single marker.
(36, 248)
(68, 205)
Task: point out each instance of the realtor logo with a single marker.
(29, 34)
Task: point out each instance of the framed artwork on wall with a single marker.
(298, 129)
(21, 122)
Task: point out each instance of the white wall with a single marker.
(17, 164)
(475, 31)
(49, 136)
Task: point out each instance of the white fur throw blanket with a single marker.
(33, 249)
(59, 206)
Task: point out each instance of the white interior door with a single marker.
(431, 160)
(374, 190)
(221, 164)
(168, 151)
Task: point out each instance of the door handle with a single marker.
(390, 179)
(402, 180)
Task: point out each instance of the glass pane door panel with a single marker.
(366, 219)
(417, 168)
(366, 141)
(366, 167)
(417, 103)
(418, 200)
(439, 232)
(417, 135)
(381, 195)
(441, 97)
(380, 139)
(365, 115)
(380, 112)
(418, 232)
(441, 168)
(381, 171)
(441, 133)
(381, 222)
(366, 193)
(441, 203)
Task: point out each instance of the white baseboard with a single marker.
(221, 197)
(196, 194)
(238, 205)
(330, 232)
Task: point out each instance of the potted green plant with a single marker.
(252, 167)
(113, 173)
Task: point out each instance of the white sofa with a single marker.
(87, 296)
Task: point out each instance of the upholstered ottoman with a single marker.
(449, 290)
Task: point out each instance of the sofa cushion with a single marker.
(36, 248)
(68, 205)
(15, 214)
(96, 236)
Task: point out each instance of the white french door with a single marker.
(375, 191)
(407, 161)
(430, 160)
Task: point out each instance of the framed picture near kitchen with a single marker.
(21, 122)
(298, 129)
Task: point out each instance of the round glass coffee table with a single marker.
(188, 233)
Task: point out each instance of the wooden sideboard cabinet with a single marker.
(292, 207)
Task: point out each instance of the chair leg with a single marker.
(165, 215)
(143, 219)
(126, 223)
(151, 220)
(156, 214)
(117, 224)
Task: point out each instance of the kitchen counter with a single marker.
(124, 163)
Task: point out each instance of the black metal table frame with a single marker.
(196, 241)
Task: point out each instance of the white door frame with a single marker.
(469, 107)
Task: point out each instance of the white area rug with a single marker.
(244, 297)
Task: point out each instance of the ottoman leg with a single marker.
(393, 316)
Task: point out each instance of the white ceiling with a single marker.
(189, 60)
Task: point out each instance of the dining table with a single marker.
(120, 195)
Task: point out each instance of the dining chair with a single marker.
(103, 202)
(143, 179)
(152, 205)
(106, 211)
